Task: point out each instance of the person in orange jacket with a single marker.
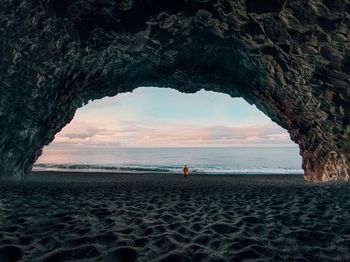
(186, 171)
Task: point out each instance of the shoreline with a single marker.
(150, 177)
(94, 172)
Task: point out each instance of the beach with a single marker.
(62, 216)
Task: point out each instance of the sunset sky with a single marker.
(163, 117)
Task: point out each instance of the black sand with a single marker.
(124, 217)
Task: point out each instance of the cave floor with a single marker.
(150, 217)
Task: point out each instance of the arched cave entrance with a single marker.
(159, 129)
(289, 58)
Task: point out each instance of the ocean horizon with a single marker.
(206, 160)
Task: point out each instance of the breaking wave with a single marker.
(159, 169)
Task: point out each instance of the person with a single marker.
(185, 170)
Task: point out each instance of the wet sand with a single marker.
(151, 217)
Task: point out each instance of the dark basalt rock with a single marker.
(291, 59)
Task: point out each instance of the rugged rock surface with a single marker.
(290, 58)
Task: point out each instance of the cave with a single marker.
(289, 58)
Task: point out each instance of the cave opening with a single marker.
(288, 58)
(157, 129)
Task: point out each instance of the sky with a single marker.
(163, 117)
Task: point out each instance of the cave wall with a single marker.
(289, 58)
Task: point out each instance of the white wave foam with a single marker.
(161, 169)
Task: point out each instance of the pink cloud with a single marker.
(128, 133)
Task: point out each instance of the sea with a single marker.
(215, 161)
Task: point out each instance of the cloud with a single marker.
(83, 133)
(225, 135)
(163, 117)
(139, 133)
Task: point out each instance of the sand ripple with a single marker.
(168, 218)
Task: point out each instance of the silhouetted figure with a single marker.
(186, 171)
